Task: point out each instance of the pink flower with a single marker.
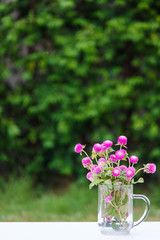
(93, 167)
(116, 172)
(120, 154)
(122, 140)
(130, 172)
(150, 168)
(102, 162)
(106, 144)
(108, 199)
(86, 162)
(97, 170)
(124, 151)
(133, 159)
(78, 148)
(112, 158)
(97, 147)
(89, 176)
(123, 167)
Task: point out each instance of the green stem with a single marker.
(87, 155)
(118, 163)
(121, 218)
(107, 154)
(114, 205)
(107, 158)
(135, 174)
(128, 161)
(119, 160)
(96, 160)
(138, 171)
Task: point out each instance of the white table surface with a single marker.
(72, 231)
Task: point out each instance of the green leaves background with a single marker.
(77, 71)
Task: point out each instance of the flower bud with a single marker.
(112, 158)
(116, 172)
(123, 167)
(89, 176)
(122, 140)
(106, 144)
(133, 159)
(97, 147)
(150, 168)
(86, 162)
(120, 154)
(102, 162)
(130, 172)
(78, 148)
(97, 170)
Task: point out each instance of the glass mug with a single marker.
(115, 208)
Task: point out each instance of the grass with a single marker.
(20, 202)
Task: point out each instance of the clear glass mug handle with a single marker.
(145, 214)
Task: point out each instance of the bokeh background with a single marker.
(74, 71)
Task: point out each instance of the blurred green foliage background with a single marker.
(77, 71)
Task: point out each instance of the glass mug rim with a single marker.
(104, 184)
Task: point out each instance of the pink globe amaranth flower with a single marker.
(130, 172)
(122, 140)
(123, 167)
(108, 199)
(97, 147)
(112, 158)
(102, 162)
(150, 168)
(86, 162)
(106, 144)
(133, 159)
(124, 151)
(93, 167)
(78, 148)
(97, 170)
(116, 172)
(89, 176)
(120, 154)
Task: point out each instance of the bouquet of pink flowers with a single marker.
(114, 172)
(108, 163)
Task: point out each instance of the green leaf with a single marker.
(93, 155)
(95, 182)
(91, 185)
(115, 226)
(140, 180)
(108, 168)
(108, 182)
(124, 200)
(111, 150)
